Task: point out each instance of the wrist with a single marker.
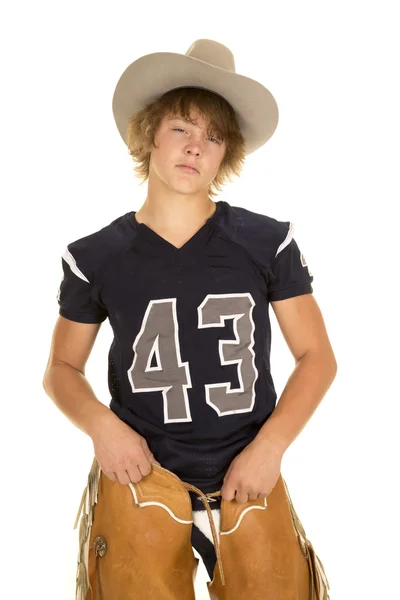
(267, 436)
(98, 418)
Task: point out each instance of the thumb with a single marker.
(150, 456)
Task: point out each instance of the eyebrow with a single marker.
(177, 118)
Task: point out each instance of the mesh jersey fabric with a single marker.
(189, 364)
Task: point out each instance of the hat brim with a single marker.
(150, 76)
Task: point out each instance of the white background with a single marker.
(332, 168)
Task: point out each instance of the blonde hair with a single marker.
(216, 111)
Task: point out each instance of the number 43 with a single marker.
(159, 338)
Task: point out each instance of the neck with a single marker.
(176, 213)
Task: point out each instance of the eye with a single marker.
(210, 138)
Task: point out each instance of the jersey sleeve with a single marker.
(289, 274)
(76, 295)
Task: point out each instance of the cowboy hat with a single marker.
(209, 65)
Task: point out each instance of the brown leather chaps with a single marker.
(135, 544)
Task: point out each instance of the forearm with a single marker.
(72, 394)
(306, 387)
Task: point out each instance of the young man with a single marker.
(185, 283)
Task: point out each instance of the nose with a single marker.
(194, 148)
(190, 152)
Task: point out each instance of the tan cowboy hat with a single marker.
(209, 65)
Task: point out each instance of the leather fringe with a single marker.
(88, 500)
(319, 584)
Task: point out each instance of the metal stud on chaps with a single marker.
(135, 540)
(135, 544)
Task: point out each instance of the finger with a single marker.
(123, 477)
(242, 497)
(228, 493)
(253, 496)
(133, 473)
(144, 468)
(152, 459)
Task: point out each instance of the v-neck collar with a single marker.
(157, 242)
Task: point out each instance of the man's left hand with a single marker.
(254, 472)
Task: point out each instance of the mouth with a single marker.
(188, 168)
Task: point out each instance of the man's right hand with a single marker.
(122, 453)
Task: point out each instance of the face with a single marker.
(179, 141)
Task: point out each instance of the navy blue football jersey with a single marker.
(189, 365)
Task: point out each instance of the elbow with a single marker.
(326, 360)
(45, 380)
(333, 366)
(46, 377)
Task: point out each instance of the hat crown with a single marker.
(212, 52)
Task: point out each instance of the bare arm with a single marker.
(64, 380)
(123, 454)
(303, 328)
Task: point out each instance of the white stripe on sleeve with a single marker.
(67, 256)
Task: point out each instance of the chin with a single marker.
(185, 189)
(182, 183)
